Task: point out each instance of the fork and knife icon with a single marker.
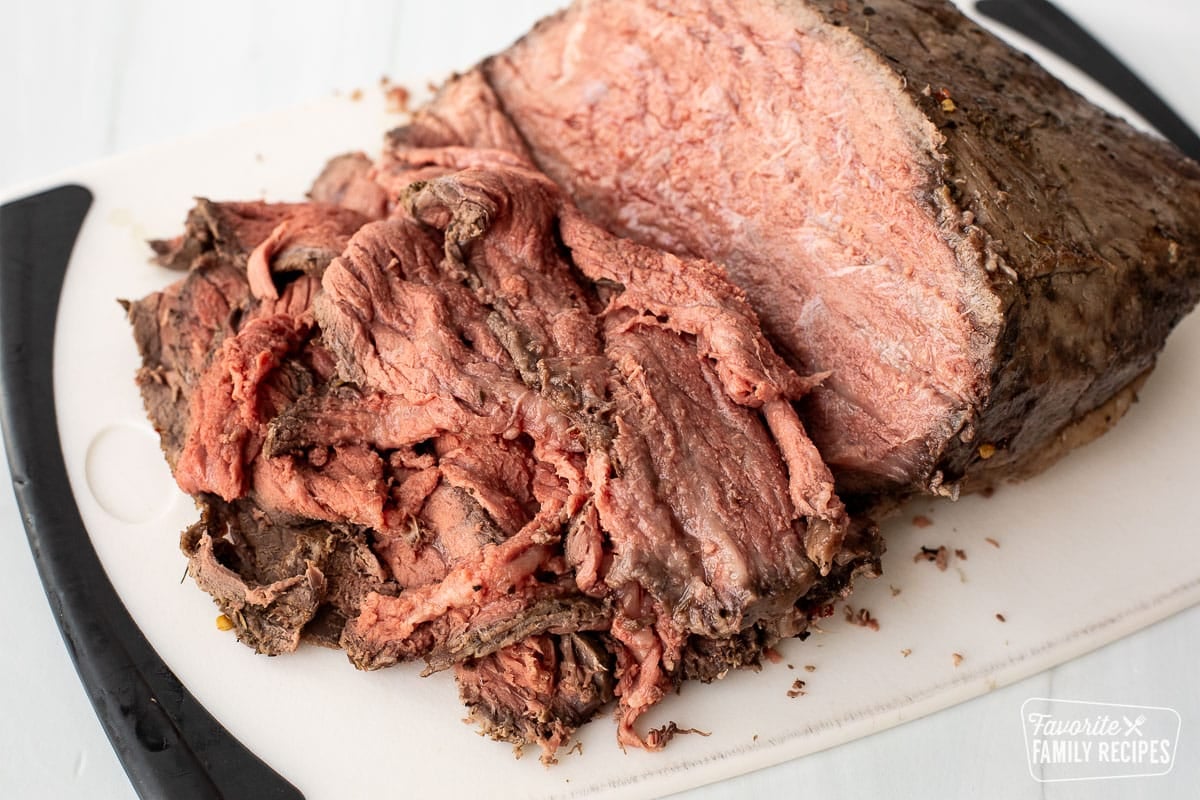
(1134, 726)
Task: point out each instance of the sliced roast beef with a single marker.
(983, 262)
(179, 330)
(231, 405)
(706, 529)
(176, 331)
(347, 181)
(467, 112)
(538, 690)
(684, 540)
(270, 575)
(494, 431)
(352, 570)
(311, 234)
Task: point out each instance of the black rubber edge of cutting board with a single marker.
(169, 745)
(1050, 27)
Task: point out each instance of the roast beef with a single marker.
(985, 263)
(631, 416)
(495, 438)
(540, 689)
(272, 574)
(494, 401)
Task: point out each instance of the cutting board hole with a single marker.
(127, 475)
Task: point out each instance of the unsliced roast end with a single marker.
(907, 158)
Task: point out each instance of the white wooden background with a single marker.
(79, 81)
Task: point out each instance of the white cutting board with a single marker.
(1098, 547)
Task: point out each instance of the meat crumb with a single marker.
(797, 688)
(906, 652)
(397, 99)
(960, 554)
(988, 491)
(861, 618)
(895, 590)
(755, 738)
(576, 748)
(940, 556)
(958, 659)
(356, 95)
(921, 521)
(1001, 618)
(772, 655)
(992, 542)
(660, 736)
(791, 666)
(810, 668)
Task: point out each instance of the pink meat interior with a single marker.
(788, 153)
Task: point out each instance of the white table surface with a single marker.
(79, 81)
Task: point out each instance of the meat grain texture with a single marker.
(522, 397)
